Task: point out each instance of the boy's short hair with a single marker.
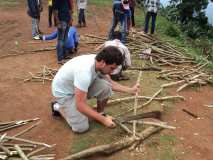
(110, 55)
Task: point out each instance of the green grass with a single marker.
(9, 3)
(101, 2)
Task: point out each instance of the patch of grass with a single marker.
(167, 139)
(101, 2)
(162, 148)
(97, 135)
(9, 3)
(167, 154)
(81, 144)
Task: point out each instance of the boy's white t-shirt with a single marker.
(78, 72)
(82, 4)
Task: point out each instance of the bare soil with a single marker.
(21, 100)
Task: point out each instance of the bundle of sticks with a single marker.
(12, 147)
(47, 74)
(185, 70)
(186, 76)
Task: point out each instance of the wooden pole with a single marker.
(136, 103)
(113, 147)
(20, 152)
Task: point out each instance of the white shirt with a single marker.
(152, 5)
(82, 4)
(124, 50)
(78, 72)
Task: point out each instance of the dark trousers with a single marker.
(132, 16)
(148, 15)
(63, 29)
(50, 13)
(81, 17)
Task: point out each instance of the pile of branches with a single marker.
(47, 74)
(185, 70)
(186, 76)
(12, 147)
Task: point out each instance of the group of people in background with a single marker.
(66, 33)
(123, 13)
(60, 14)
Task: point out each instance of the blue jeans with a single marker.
(35, 26)
(63, 29)
(148, 15)
(115, 21)
(81, 17)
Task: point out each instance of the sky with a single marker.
(209, 10)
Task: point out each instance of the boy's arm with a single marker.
(84, 108)
(50, 36)
(122, 88)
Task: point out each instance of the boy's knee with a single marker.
(105, 93)
(80, 129)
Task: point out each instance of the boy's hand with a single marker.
(108, 122)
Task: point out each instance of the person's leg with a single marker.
(76, 120)
(154, 15)
(75, 37)
(114, 24)
(100, 89)
(80, 16)
(83, 18)
(50, 15)
(123, 21)
(132, 16)
(146, 28)
(128, 21)
(62, 36)
(35, 31)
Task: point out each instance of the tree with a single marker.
(190, 9)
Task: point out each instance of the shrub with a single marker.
(172, 31)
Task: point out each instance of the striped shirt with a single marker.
(152, 5)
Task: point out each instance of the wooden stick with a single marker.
(38, 150)
(153, 114)
(136, 103)
(6, 150)
(145, 68)
(27, 129)
(155, 95)
(20, 152)
(125, 128)
(20, 145)
(161, 124)
(28, 52)
(113, 147)
(190, 113)
(27, 141)
(144, 97)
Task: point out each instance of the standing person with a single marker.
(117, 75)
(82, 5)
(86, 77)
(152, 7)
(120, 8)
(62, 11)
(50, 13)
(34, 10)
(132, 9)
(71, 42)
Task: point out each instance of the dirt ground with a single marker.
(21, 100)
